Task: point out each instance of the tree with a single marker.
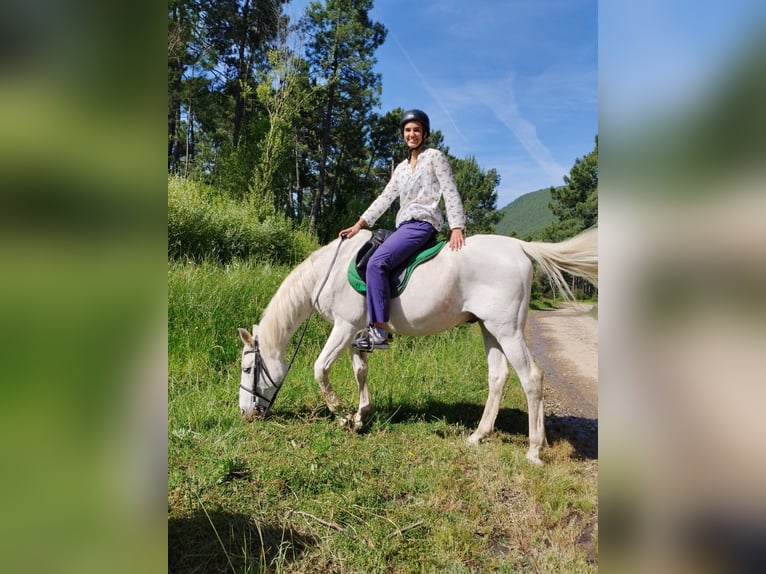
(576, 206)
(216, 49)
(240, 32)
(284, 91)
(576, 203)
(182, 17)
(477, 188)
(340, 52)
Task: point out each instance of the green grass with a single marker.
(296, 493)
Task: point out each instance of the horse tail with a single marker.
(577, 255)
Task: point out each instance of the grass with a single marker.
(296, 493)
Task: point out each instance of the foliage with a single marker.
(287, 111)
(295, 493)
(214, 48)
(204, 224)
(526, 215)
(576, 203)
(284, 93)
(477, 188)
(340, 55)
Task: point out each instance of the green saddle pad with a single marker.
(399, 281)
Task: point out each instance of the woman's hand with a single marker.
(456, 239)
(349, 232)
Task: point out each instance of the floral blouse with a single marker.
(419, 193)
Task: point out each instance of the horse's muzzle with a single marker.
(257, 414)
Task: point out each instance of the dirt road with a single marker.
(564, 342)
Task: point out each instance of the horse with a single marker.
(488, 281)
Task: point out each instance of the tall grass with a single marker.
(204, 223)
(296, 493)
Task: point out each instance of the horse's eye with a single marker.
(247, 370)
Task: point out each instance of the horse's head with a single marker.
(257, 389)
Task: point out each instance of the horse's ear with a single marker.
(255, 332)
(246, 337)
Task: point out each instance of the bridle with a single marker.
(259, 367)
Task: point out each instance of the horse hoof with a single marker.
(351, 423)
(333, 402)
(534, 459)
(474, 439)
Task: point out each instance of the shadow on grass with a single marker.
(230, 542)
(580, 432)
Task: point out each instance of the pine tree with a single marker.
(341, 45)
(575, 203)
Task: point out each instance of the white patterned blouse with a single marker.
(419, 193)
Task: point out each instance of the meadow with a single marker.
(296, 493)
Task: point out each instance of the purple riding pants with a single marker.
(407, 240)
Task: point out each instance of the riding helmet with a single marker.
(416, 116)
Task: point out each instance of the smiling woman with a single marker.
(419, 182)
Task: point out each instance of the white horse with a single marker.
(488, 281)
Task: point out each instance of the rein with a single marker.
(259, 367)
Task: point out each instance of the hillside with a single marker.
(526, 215)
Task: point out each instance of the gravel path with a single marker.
(564, 342)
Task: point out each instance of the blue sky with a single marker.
(659, 58)
(513, 83)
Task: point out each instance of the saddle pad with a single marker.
(401, 277)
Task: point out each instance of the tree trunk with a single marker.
(243, 74)
(324, 147)
(298, 206)
(174, 116)
(189, 140)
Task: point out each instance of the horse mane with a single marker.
(291, 303)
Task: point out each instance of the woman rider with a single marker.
(419, 182)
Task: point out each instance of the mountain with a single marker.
(526, 215)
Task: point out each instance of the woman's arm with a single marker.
(452, 201)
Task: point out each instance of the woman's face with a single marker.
(413, 134)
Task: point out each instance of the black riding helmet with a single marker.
(416, 116)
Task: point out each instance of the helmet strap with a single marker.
(412, 149)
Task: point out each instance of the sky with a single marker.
(512, 83)
(659, 58)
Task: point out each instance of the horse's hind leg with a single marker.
(498, 374)
(531, 377)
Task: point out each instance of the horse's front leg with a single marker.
(357, 420)
(339, 339)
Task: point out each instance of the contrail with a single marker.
(524, 130)
(429, 89)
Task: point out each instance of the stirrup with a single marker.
(366, 341)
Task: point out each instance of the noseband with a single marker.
(260, 369)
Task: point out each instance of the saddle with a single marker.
(357, 268)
